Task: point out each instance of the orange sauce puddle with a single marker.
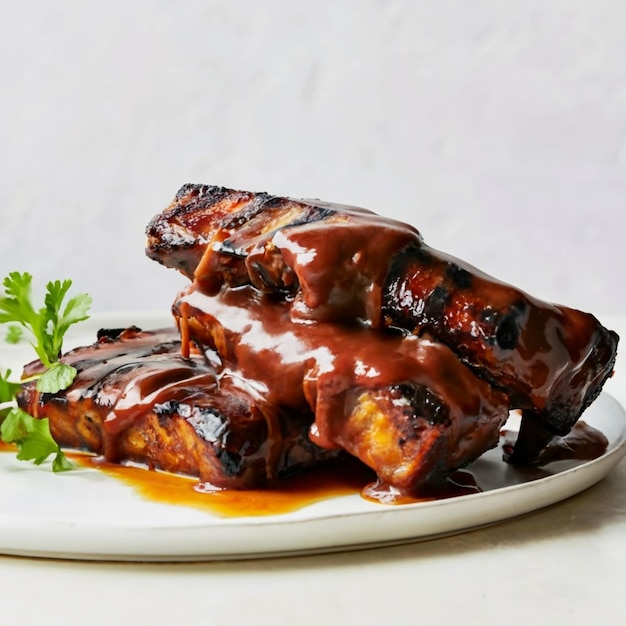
(460, 483)
(320, 483)
(333, 479)
(330, 480)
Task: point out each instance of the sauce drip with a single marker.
(299, 364)
(582, 443)
(332, 479)
(460, 483)
(287, 495)
(328, 480)
(334, 262)
(343, 478)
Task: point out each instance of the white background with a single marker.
(497, 128)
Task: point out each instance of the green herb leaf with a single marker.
(14, 333)
(13, 428)
(16, 306)
(61, 463)
(47, 326)
(33, 439)
(8, 390)
(59, 319)
(58, 377)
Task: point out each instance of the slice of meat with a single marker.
(551, 359)
(405, 406)
(333, 262)
(136, 399)
(332, 259)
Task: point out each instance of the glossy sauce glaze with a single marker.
(159, 373)
(298, 363)
(136, 398)
(551, 359)
(405, 406)
(335, 262)
(582, 443)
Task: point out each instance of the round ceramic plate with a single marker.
(87, 514)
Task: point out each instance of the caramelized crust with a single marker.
(551, 359)
(329, 259)
(312, 328)
(226, 222)
(406, 407)
(338, 263)
(136, 399)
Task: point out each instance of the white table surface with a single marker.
(565, 564)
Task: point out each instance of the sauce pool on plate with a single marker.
(332, 479)
(335, 479)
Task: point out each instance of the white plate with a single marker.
(88, 515)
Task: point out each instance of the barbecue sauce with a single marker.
(367, 389)
(582, 443)
(334, 262)
(348, 477)
(550, 359)
(329, 480)
(305, 301)
(290, 494)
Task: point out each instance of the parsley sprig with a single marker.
(46, 327)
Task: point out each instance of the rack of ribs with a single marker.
(405, 406)
(335, 263)
(135, 398)
(312, 330)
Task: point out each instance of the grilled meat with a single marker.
(405, 406)
(312, 328)
(330, 260)
(338, 263)
(136, 399)
(552, 360)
